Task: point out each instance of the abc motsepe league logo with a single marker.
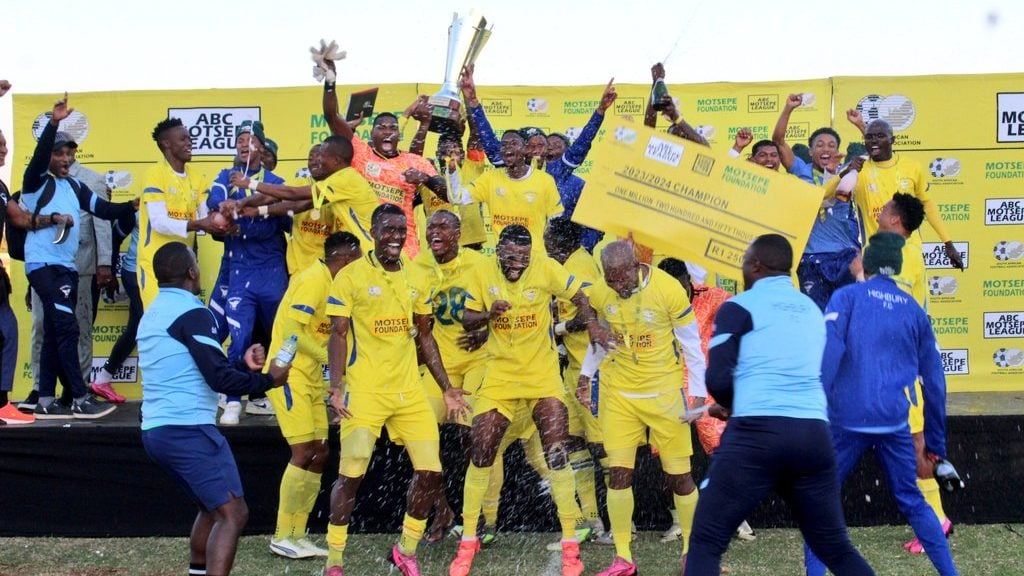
(935, 254)
(896, 109)
(1004, 211)
(76, 124)
(954, 361)
(213, 128)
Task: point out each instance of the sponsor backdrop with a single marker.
(969, 131)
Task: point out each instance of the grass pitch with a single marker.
(978, 551)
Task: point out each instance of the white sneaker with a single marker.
(288, 548)
(232, 410)
(222, 401)
(607, 539)
(309, 546)
(260, 407)
(673, 534)
(745, 532)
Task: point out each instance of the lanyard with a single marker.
(406, 302)
(637, 317)
(896, 169)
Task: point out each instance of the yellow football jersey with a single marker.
(646, 321)
(476, 217)
(352, 202)
(529, 201)
(522, 341)
(181, 193)
(581, 265)
(876, 184)
(305, 302)
(379, 305)
(911, 277)
(306, 244)
(442, 289)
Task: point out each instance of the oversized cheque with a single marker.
(688, 201)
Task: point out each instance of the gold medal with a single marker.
(314, 213)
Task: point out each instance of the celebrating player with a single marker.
(511, 295)
(649, 312)
(374, 383)
(299, 405)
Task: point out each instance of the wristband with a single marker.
(254, 185)
(264, 211)
(329, 86)
(560, 329)
(53, 218)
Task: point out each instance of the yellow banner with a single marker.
(689, 201)
(967, 132)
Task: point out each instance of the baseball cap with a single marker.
(255, 127)
(271, 146)
(64, 139)
(531, 131)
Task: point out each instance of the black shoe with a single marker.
(89, 409)
(28, 405)
(54, 411)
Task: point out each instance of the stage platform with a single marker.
(74, 478)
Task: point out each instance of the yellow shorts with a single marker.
(470, 381)
(582, 422)
(917, 412)
(625, 422)
(409, 419)
(505, 389)
(518, 412)
(300, 410)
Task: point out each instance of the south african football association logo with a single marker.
(896, 109)
(944, 168)
(1008, 250)
(942, 285)
(1008, 357)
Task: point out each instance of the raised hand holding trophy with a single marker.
(464, 46)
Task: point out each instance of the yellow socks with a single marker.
(299, 490)
(337, 537)
(412, 533)
(583, 473)
(492, 498)
(620, 514)
(534, 452)
(930, 490)
(310, 490)
(473, 492)
(563, 492)
(292, 484)
(686, 507)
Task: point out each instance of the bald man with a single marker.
(648, 311)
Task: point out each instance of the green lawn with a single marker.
(978, 550)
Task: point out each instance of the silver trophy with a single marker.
(465, 42)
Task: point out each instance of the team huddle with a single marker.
(459, 292)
